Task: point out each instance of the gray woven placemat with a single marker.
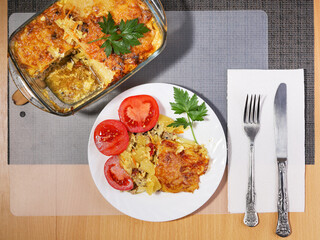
(290, 38)
(195, 58)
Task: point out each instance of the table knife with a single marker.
(280, 111)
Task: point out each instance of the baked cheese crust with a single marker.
(180, 166)
(68, 26)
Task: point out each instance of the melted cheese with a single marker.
(180, 165)
(71, 24)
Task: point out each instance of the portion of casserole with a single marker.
(64, 32)
(159, 160)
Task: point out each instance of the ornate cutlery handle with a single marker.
(283, 226)
(251, 216)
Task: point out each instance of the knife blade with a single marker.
(281, 139)
(280, 106)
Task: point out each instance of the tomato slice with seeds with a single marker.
(111, 137)
(139, 113)
(116, 176)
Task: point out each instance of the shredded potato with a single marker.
(140, 159)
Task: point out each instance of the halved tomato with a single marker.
(111, 137)
(116, 176)
(139, 113)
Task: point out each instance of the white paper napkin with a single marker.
(265, 82)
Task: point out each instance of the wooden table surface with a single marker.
(219, 226)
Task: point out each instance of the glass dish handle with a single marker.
(22, 86)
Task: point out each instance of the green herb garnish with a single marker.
(119, 38)
(184, 104)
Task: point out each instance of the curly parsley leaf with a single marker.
(199, 113)
(107, 47)
(190, 106)
(119, 38)
(108, 26)
(180, 122)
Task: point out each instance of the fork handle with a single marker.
(251, 216)
(283, 226)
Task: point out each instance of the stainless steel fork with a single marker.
(251, 122)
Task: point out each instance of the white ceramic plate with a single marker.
(162, 206)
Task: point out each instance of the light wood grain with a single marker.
(69, 190)
(304, 225)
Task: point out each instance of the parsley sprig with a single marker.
(184, 104)
(119, 38)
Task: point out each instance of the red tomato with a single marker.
(111, 137)
(116, 176)
(139, 113)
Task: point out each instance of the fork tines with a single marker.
(252, 109)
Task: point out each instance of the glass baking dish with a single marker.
(45, 99)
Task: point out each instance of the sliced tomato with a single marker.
(111, 137)
(116, 176)
(139, 113)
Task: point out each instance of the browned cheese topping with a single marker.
(179, 167)
(66, 29)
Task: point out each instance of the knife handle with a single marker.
(283, 226)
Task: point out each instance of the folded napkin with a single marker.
(265, 82)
